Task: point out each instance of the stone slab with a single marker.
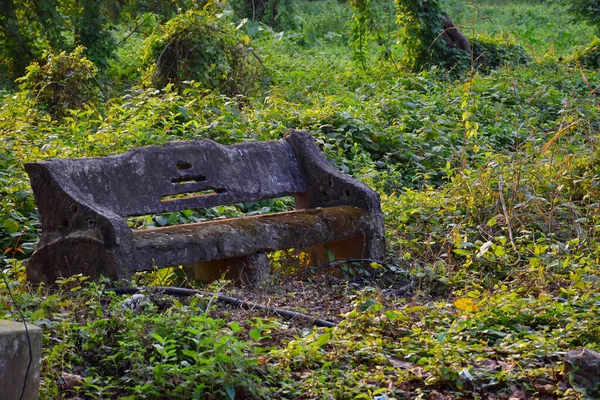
(14, 358)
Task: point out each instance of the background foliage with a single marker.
(488, 179)
(199, 46)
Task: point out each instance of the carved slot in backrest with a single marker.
(188, 179)
(195, 194)
(183, 165)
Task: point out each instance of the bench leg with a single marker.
(360, 247)
(70, 256)
(251, 270)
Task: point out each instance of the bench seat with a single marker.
(245, 236)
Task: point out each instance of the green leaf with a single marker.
(323, 339)
(192, 354)
(391, 315)
(255, 334)
(162, 221)
(310, 35)
(230, 391)
(499, 251)
(366, 305)
(38, 314)
(330, 254)
(235, 326)
(252, 28)
(157, 337)
(11, 226)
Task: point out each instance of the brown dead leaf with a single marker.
(506, 366)
(418, 371)
(517, 393)
(489, 365)
(545, 388)
(262, 360)
(434, 395)
(398, 363)
(71, 380)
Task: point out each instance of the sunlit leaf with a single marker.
(466, 304)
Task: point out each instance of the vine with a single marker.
(363, 22)
(424, 34)
(428, 34)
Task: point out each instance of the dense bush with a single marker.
(276, 13)
(66, 81)
(588, 10)
(422, 24)
(204, 47)
(491, 53)
(588, 56)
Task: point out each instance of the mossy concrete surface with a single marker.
(14, 359)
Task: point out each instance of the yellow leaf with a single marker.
(304, 259)
(246, 40)
(499, 251)
(466, 304)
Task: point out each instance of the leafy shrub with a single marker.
(588, 56)
(329, 19)
(588, 10)
(65, 82)
(18, 221)
(422, 26)
(275, 13)
(491, 53)
(156, 348)
(199, 46)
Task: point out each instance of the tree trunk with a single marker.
(453, 36)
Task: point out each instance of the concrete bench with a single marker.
(83, 204)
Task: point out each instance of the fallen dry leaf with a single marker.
(434, 395)
(398, 363)
(545, 389)
(71, 380)
(489, 365)
(516, 393)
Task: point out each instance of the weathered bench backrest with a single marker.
(148, 180)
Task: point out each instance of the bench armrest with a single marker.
(327, 186)
(64, 210)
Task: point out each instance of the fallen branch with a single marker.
(175, 291)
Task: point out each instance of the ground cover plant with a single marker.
(489, 181)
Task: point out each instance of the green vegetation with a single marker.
(198, 46)
(588, 10)
(489, 180)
